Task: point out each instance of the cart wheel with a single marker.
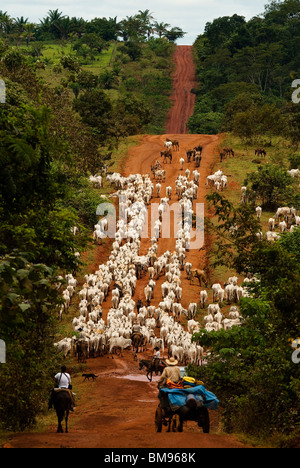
(204, 421)
(158, 420)
(180, 428)
(176, 424)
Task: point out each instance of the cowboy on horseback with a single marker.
(156, 359)
(136, 329)
(62, 382)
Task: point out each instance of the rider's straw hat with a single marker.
(172, 362)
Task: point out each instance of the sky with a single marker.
(189, 15)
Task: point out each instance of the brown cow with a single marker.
(201, 275)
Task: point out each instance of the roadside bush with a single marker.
(85, 201)
(271, 184)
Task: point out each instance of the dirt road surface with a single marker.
(183, 82)
(118, 409)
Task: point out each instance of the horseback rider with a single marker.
(156, 358)
(62, 380)
(136, 329)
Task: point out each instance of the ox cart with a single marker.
(179, 405)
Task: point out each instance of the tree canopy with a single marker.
(55, 25)
(237, 59)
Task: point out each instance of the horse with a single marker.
(228, 151)
(166, 155)
(138, 341)
(62, 405)
(189, 155)
(81, 349)
(198, 158)
(175, 145)
(201, 275)
(150, 367)
(222, 156)
(199, 149)
(260, 152)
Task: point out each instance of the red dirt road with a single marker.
(118, 409)
(184, 81)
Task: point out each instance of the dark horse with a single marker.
(150, 367)
(81, 350)
(166, 155)
(62, 405)
(260, 152)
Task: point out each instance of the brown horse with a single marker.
(138, 342)
(175, 144)
(81, 350)
(228, 151)
(167, 155)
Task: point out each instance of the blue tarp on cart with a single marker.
(178, 397)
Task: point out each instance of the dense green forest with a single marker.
(245, 71)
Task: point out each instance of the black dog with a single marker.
(89, 376)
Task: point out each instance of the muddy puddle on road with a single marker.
(138, 378)
(143, 378)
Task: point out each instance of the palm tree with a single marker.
(146, 18)
(55, 15)
(78, 26)
(6, 23)
(63, 26)
(20, 23)
(51, 23)
(160, 28)
(45, 25)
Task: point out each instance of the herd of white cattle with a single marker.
(116, 280)
(285, 219)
